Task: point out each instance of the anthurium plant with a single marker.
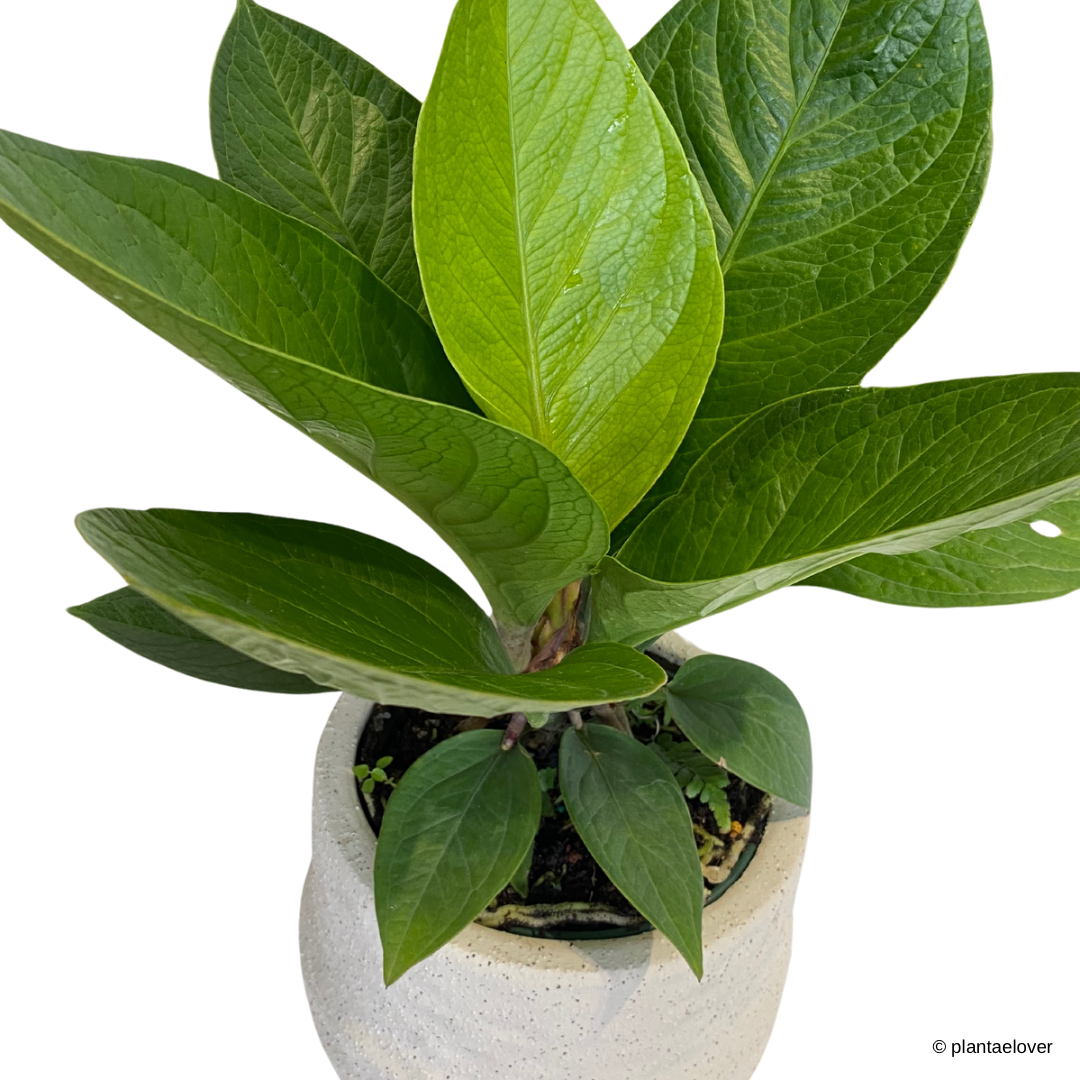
(599, 318)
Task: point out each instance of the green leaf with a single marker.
(835, 474)
(361, 772)
(137, 623)
(747, 720)
(631, 815)
(1011, 564)
(455, 829)
(347, 610)
(842, 148)
(312, 129)
(295, 321)
(566, 253)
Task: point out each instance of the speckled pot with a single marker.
(493, 1004)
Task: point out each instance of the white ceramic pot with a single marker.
(493, 1004)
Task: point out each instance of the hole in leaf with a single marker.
(1046, 528)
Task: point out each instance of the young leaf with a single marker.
(136, 622)
(312, 129)
(842, 148)
(455, 829)
(631, 815)
(347, 610)
(832, 475)
(283, 313)
(566, 253)
(745, 718)
(1011, 564)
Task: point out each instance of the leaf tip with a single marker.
(393, 969)
(696, 961)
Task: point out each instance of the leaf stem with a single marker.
(518, 722)
(556, 634)
(614, 716)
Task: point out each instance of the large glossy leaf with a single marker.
(455, 829)
(1011, 564)
(745, 718)
(136, 622)
(631, 814)
(565, 250)
(835, 474)
(346, 610)
(297, 322)
(842, 147)
(314, 130)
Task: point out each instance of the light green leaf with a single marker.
(314, 130)
(842, 148)
(298, 323)
(835, 474)
(1011, 564)
(745, 718)
(565, 250)
(346, 610)
(630, 812)
(136, 622)
(455, 829)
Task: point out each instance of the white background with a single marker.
(155, 828)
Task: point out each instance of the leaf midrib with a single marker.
(759, 194)
(299, 137)
(351, 245)
(541, 423)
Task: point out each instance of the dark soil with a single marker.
(564, 875)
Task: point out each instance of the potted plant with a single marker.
(669, 505)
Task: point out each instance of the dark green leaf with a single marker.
(312, 129)
(1011, 564)
(293, 319)
(631, 815)
(137, 623)
(565, 250)
(455, 829)
(832, 475)
(347, 610)
(842, 148)
(747, 720)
